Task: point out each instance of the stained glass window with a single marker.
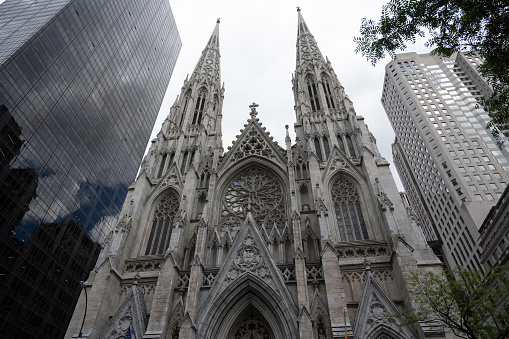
(252, 327)
(347, 205)
(262, 191)
(159, 237)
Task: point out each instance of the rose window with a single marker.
(259, 190)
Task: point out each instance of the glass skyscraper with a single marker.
(81, 83)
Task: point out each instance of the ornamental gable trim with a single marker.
(249, 256)
(377, 312)
(339, 162)
(254, 141)
(132, 313)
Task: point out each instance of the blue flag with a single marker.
(128, 333)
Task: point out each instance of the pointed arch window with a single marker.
(322, 144)
(347, 205)
(183, 114)
(301, 168)
(183, 165)
(172, 157)
(341, 143)
(198, 109)
(313, 95)
(318, 149)
(328, 93)
(161, 167)
(326, 147)
(351, 147)
(160, 233)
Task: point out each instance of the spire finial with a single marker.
(253, 109)
(367, 264)
(298, 8)
(218, 20)
(136, 278)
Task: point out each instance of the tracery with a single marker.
(252, 328)
(160, 232)
(347, 206)
(261, 191)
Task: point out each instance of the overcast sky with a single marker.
(257, 43)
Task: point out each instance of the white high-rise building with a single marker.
(452, 168)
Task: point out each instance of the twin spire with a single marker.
(201, 98)
(208, 65)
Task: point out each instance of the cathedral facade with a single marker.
(309, 240)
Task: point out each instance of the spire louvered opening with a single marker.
(328, 93)
(313, 94)
(199, 107)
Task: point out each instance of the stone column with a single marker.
(163, 297)
(336, 298)
(188, 328)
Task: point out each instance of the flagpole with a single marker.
(346, 330)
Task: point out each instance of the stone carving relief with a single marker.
(147, 289)
(360, 252)
(248, 259)
(338, 162)
(355, 281)
(288, 273)
(308, 47)
(172, 179)
(208, 279)
(253, 144)
(252, 327)
(378, 313)
(143, 266)
(124, 224)
(183, 281)
(299, 254)
(314, 273)
(356, 276)
(122, 325)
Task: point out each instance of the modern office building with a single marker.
(81, 83)
(308, 240)
(452, 168)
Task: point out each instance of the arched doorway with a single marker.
(251, 324)
(248, 301)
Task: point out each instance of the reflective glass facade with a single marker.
(81, 83)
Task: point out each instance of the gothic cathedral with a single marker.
(309, 240)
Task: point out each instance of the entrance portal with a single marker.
(251, 325)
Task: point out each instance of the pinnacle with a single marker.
(307, 49)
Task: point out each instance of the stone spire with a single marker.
(307, 49)
(201, 98)
(208, 67)
(317, 90)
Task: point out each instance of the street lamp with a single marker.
(83, 286)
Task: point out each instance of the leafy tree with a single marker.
(453, 25)
(473, 305)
